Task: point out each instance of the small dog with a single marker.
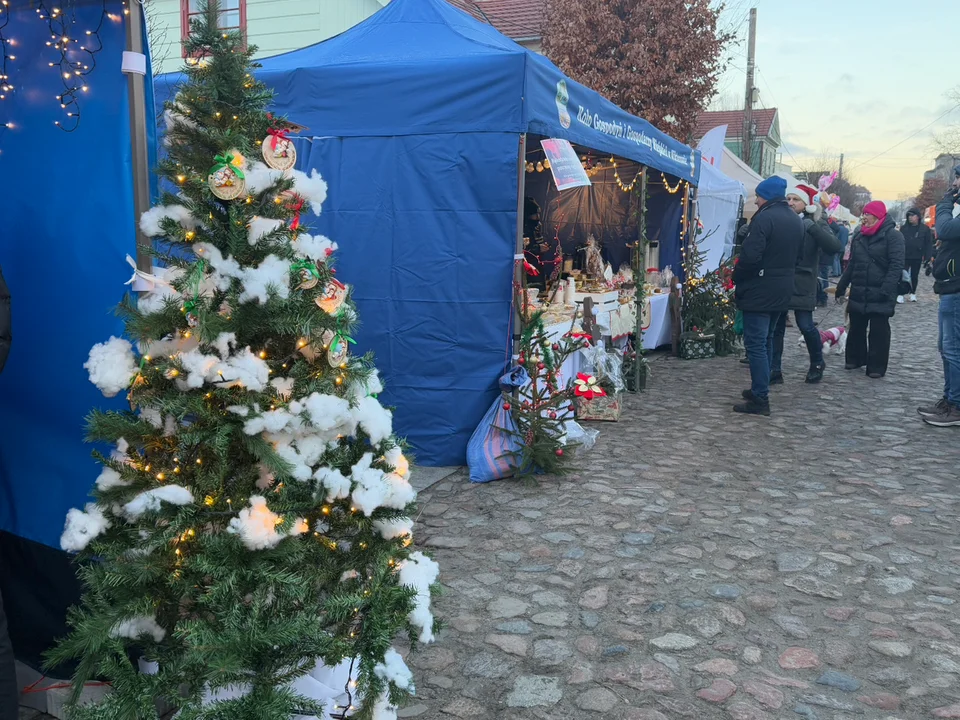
(834, 339)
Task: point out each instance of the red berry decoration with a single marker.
(521, 360)
(559, 452)
(506, 406)
(571, 407)
(553, 415)
(540, 366)
(556, 347)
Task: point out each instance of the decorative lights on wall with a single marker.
(72, 55)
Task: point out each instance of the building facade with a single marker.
(766, 140)
(942, 167)
(278, 26)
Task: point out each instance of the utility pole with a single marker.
(747, 153)
(840, 171)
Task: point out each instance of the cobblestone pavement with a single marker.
(708, 565)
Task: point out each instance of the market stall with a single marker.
(420, 116)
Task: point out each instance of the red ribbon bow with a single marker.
(531, 270)
(276, 134)
(296, 206)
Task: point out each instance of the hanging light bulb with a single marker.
(539, 167)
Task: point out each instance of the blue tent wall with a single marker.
(427, 241)
(67, 209)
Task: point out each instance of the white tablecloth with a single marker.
(657, 333)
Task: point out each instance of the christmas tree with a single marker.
(250, 537)
(707, 299)
(541, 408)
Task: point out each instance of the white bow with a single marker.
(143, 281)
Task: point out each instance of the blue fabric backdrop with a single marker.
(67, 209)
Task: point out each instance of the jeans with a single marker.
(949, 346)
(874, 355)
(809, 332)
(836, 265)
(9, 691)
(758, 330)
(914, 266)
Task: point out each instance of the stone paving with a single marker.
(709, 565)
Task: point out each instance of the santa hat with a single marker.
(805, 193)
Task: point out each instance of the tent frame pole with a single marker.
(519, 294)
(138, 135)
(640, 279)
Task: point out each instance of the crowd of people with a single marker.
(784, 265)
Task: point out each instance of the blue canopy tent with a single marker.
(68, 221)
(418, 120)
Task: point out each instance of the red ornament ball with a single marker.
(559, 452)
(521, 360)
(571, 407)
(553, 415)
(506, 406)
(556, 347)
(540, 366)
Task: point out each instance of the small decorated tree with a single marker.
(250, 536)
(707, 309)
(541, 408)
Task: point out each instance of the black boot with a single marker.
(815, 374)
(754, 406)
(776, 378)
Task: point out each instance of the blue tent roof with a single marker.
(425, 67)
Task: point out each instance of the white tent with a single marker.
(718, 206)
(737, 169)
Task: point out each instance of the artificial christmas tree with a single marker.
(707, 309)
(251, 534)
(542, 407)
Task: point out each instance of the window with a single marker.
(232, 16)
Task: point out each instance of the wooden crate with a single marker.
(604, 409)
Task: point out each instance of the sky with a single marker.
(858, 77)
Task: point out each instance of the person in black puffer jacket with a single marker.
(946, 273)
(918, 248)
(818, 241)
(764, 284)
(874, 271)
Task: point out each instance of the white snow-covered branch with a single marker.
(420, 572)
(257, 525)
(82, 526)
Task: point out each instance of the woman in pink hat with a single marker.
(873, 274)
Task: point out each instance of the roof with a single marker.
(517, 19)
(733, 119)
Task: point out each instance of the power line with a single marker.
(910, 137)
(788, 128)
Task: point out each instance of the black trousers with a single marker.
(9, 692)
(873, 352)
(914, 274)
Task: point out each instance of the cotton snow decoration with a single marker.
(372, 386)
(395, 459)
(260, 228)
(314, 247)
(375, 419)
(311, 188)
(420, 572)
(257, 525)
(331, 414)
(383, 710)
(400, 492)
(82, 526)
(259, 177)
(111, 366)
(225, 343)
(394, 669)
(109, 479)
(283, 386)
(243, 368)
(150, 221)
(334, 482)
(371, 489)
(137, 627)
(390, 529)
(273, 274)
(151, 500)
(119, 453)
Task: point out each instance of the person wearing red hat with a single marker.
(873, 275)
(817, 238)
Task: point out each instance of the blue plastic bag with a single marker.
(490, 452)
